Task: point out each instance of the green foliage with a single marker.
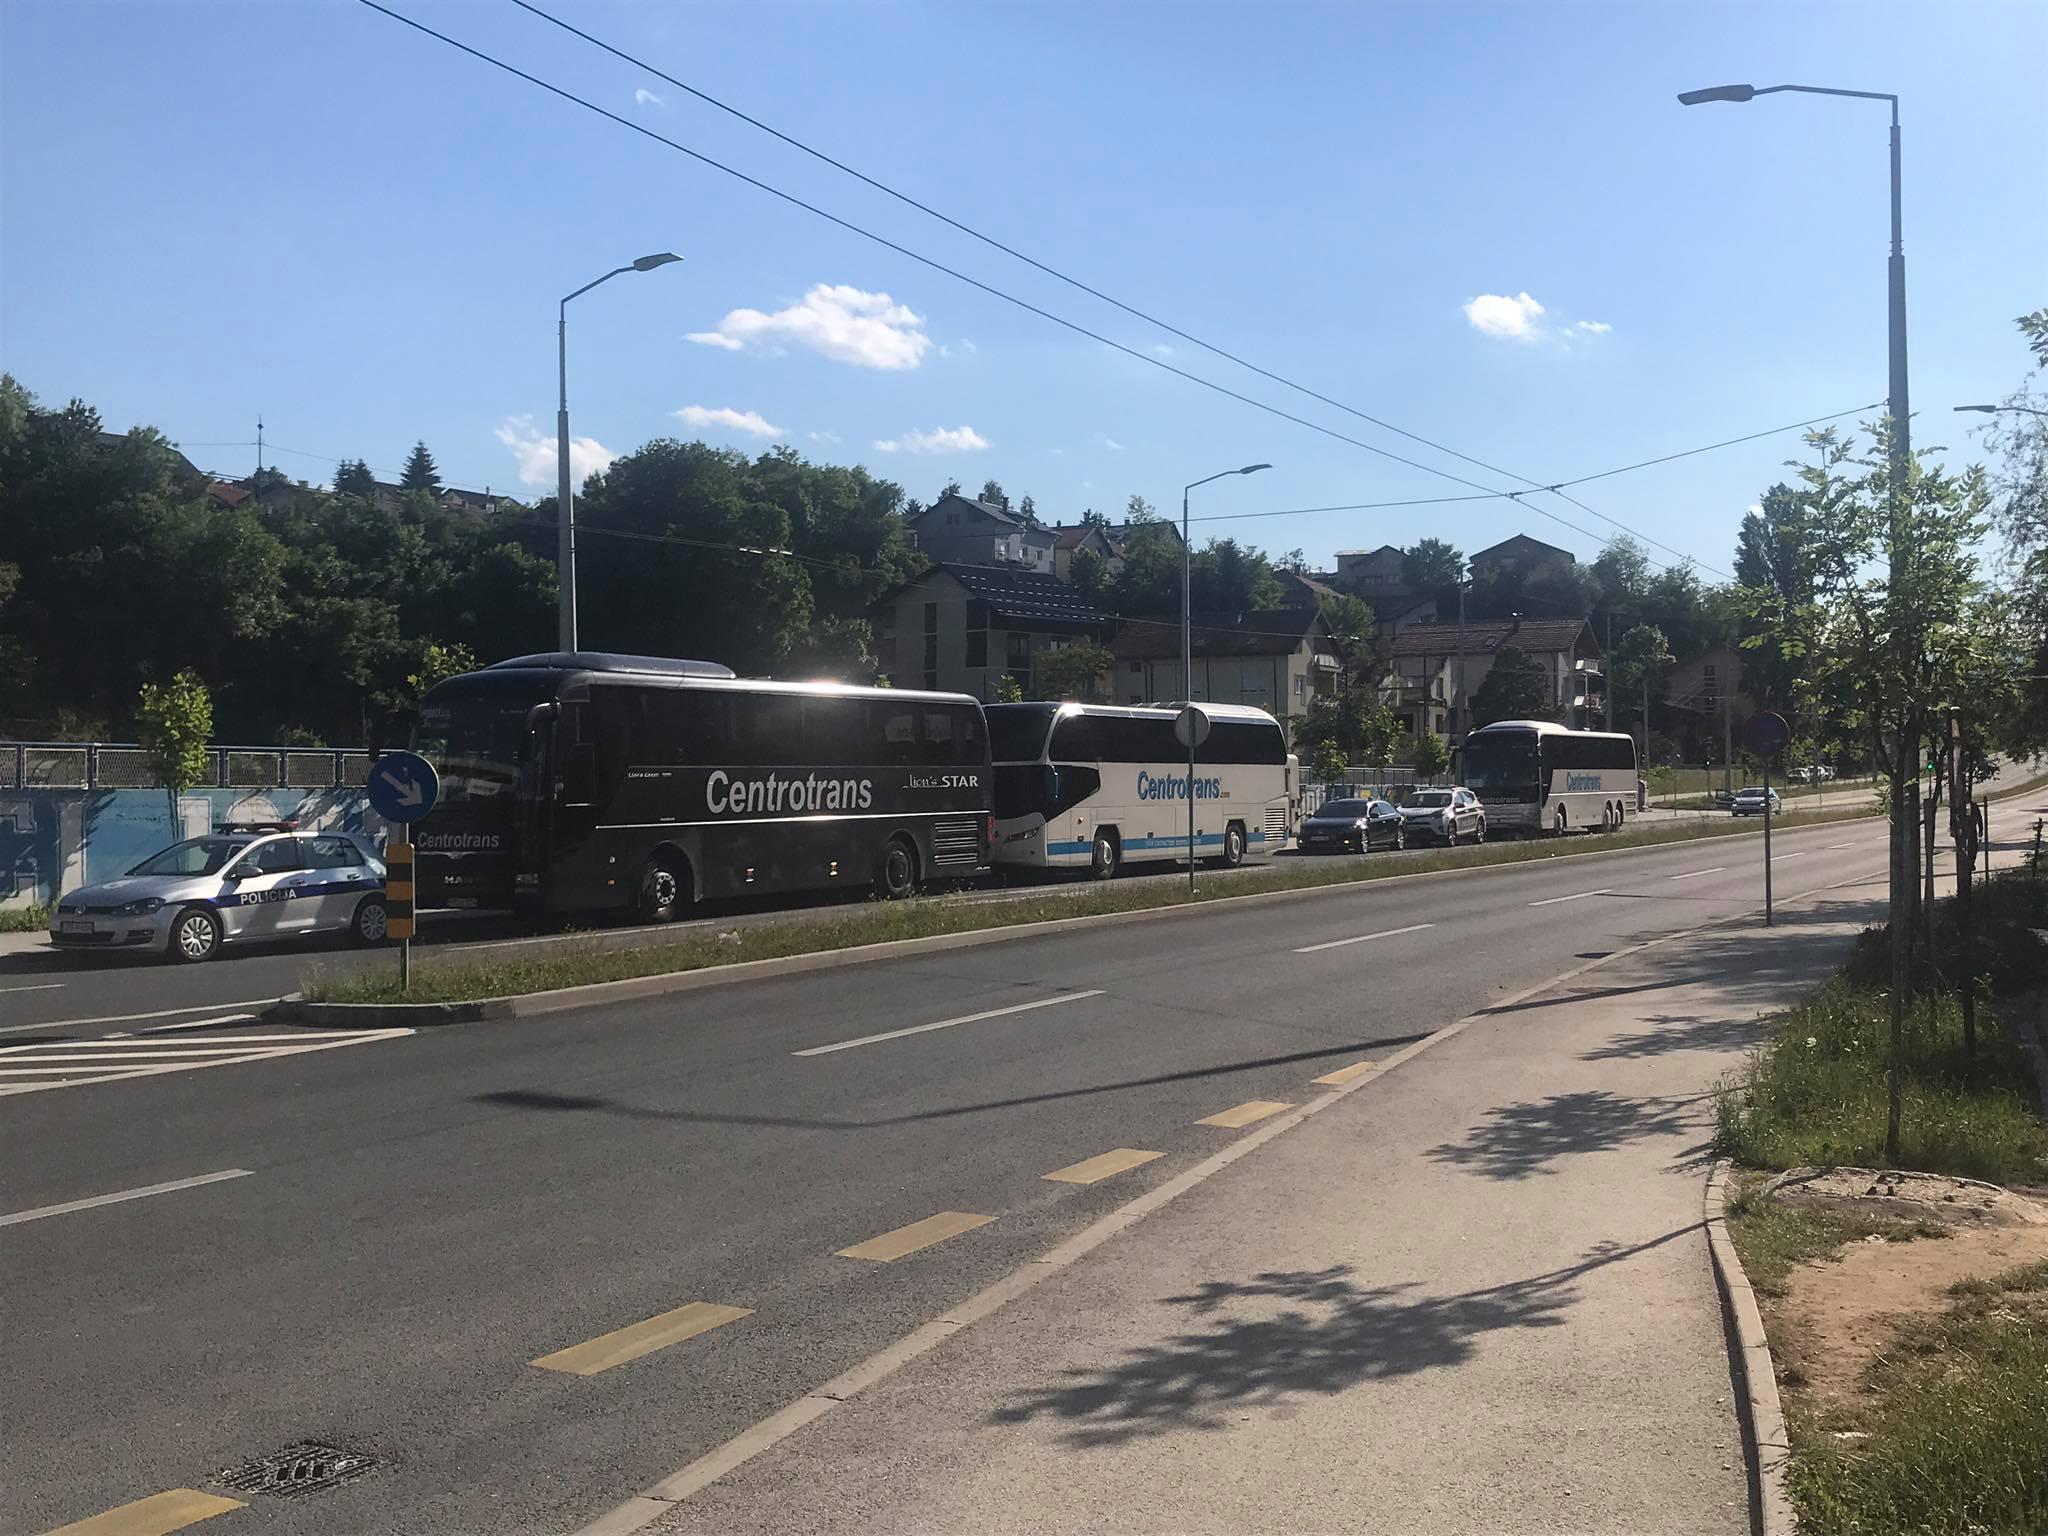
(1090, 575)
(33, 918)
(1094, 519)
(1008, 690)
(1774, 1238)
(1351, 632)
(992, 493)
(1073, 671)
(1432, 755)
(1623, 571)
(1139, 510)
(419, 473)
(1517, 687)
(437, 664)
(1641, 653)
(352, 477)
(1429, 565)
(1327, 762)
(173, 724)
(1352, 721)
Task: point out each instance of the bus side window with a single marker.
(895, 726)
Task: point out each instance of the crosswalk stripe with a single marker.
(81, 1063)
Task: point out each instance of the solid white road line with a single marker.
(1695, 874)
(1799, 855)
(1363, 938)
(130, 1018)
(965, 1018)
(1856, 844)
(125, 1194)
(226, 1018)
(41, 986)
(1551, 901)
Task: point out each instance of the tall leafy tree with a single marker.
(352, 477)
(1516, 688)
(419, 473)
(1073, 671)
(1429, 565)
(173, 724)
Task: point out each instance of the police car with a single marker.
(250, 880)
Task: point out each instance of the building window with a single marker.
(977, 632)
(1017, 659)
(931, 645)
(1137, 669)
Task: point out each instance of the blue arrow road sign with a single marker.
(403, 786)
(1766, 735)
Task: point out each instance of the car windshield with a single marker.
(1334, 810)
(1431, 797)
(195, 856)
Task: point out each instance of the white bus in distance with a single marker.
(1535, 776)
(1093, 785)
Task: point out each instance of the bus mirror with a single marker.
(579, 774)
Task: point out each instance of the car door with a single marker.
(263, 898)
(1381, 825)
(336, 879)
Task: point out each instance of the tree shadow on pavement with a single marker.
(1666, 1034)
(1291, 1333)
(1519, 1141)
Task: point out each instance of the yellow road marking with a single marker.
(919, 1234)
(644, 1338)
(1248, 1113)
(1343, 1075)
(1095, 1169)
(153, 1516)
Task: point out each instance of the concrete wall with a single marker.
(55, 840)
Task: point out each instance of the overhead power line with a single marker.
(1024, 304)
(1556, 489)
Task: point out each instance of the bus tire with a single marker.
(1233, 845)
(664, 889)
(1562, 824)
(1106, 855)
(896, 869)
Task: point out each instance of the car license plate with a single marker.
(73, 926)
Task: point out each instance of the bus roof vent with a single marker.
(607, 661)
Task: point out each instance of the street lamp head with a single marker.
(1988, 410)
(658, 259)
(1716, 93)
(1253, 469)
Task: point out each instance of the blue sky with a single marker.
(304, 209)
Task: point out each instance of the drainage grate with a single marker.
(307, 1467)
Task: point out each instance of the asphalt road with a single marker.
(416, 1218)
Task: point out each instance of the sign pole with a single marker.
(1766, 735)
(403, 787)
(1768, 919)
(398, 899)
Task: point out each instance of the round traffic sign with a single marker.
(1766, 734)
(1191, 725)
(403, 786)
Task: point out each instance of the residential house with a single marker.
(1373, 574)
(1304, 591)
(1706, 692)
(1422, 681)
(1518, 556)
(958, 530)
(962, 627)
(1274, 659)
(1069, 542)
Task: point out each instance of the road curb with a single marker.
(592, 994)
(1765, 1444)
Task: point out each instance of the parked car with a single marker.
(247, 881)
(1451, 815)
(1750, 802)
(1353, 826)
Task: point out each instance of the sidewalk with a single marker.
(24, 943)
(1475, 1297)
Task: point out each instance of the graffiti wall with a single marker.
(55, 840)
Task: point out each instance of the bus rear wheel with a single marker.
(1233, 845)
(664, 890)
(896, 870)
(1105, 856)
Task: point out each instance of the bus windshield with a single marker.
(1501, 769)
(474, 732)
(1016, 732)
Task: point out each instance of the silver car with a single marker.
(247, 881)
(1452, 816)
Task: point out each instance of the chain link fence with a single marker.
(124, 765)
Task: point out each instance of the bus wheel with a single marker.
(663, 893)
(1103, 861)
(1560, 821)
(896, 871)
(1233, 845)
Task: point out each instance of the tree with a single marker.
(1428, 565)
(992, 493)
(1638, 658)
(1517, 687)
(1351, 631)
(952, 489)
(1623, 571)
(352, 477)
(1094, 519)
(1432, 755)
(1327, 762)
(419, 473)
(1028, 510)
(1008, 690)
(1294, 562)
(1073, 671)
(1089, 574)
(173, 723)
(1139, 510)
(437, 664)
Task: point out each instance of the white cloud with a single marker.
(827, 438)
(1112, 445)
(751, 422)
(1162, 349)
(646, 98)
(967, 345)
(1058, 453)
(939, 440)
(848, 325)
(535, 454)
(1592, 327)
(1515, 319)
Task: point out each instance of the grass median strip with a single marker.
(818, 930)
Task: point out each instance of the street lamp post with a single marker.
(1187, 637)
(565, 512)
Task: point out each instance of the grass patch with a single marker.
(809, 932)
(33, 918)
(1949, 1440)
(1773, 1237)
(1815, 1093)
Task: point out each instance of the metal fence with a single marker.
(124, 765)
(1360, 783)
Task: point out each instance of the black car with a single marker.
(1353, 826)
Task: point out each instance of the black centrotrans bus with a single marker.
(575, 782)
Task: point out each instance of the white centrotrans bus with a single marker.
(1092, 785)
(1535, 776)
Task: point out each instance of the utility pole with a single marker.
(259, 442)
(1462, 717)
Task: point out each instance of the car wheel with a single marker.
(1104, 857)
(1451, 833)
(1233, 845)
(195, 936)
(1400, 837)
(1479, 831)
(663, 892)
(896, 870)
(371, 921)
